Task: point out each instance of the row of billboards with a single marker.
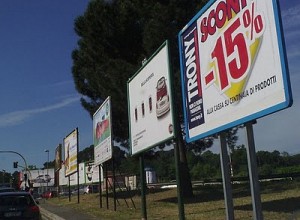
(102, 136)
(233, 70)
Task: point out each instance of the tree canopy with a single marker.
(114, 38)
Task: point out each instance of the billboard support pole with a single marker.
(226, 178)
(78, 199)
(178, 180)
(143, 187)
(106, 185)
(100, 187)
(69, 188)
(253, 174)
(114, 183)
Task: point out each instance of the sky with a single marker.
(40, 105)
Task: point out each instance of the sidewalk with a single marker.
(57, 212)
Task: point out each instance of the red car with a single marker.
(49, 194)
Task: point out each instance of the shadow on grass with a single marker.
(215, 193)
(284, 205)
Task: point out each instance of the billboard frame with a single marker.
(104, 146)
(58, 157)
(73, 136)
(203, 130)
(168, 78)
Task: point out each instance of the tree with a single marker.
(115, 36)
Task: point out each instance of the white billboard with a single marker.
(102, 133)
(150, 103)
(92, 173)
(233, 66)
(40, 178)
(71, 151)
(88, 174)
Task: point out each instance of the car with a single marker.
(82, 190)
(7, 189)
(49, 194)
(18, 205)
(63, 193)
(162, 98)
(42, 179)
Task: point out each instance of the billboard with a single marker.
(40, 178)
(92, 173)
(58, 157)
(150, 103)
(102, 133)
(71, 151)
(88, 174)
(233, 66)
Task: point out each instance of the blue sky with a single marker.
(40, 106)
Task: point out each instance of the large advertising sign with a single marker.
(102, 133)
(233, 66)
(71, 151)
(88, 174)
(58, 157)
(150, 103)
(40, 178)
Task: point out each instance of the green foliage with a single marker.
(114, 38)
(86, 154)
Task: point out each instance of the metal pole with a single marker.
(114, 184)
(143, 187)
(178, 180)
(226, 178)
(106, 185)
(100, 187)
(69, 188)
(253, 173)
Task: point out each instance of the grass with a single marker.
(280, 200)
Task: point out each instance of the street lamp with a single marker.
(47, 151)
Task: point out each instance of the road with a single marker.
(55, 212)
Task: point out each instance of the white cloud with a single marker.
(18, 117)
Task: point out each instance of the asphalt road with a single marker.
(58, 212)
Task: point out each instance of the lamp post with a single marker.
(47, 151)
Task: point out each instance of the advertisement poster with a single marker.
(150, 103)
(40, 178)
(88, 174)
(92, 173)
(58, 158)
(102, 133)
(71, 150)
(233, 66)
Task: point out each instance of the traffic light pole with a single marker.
(14, 152)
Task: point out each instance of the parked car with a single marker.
(63, 193)
(49, 194)
(82, 190)
(18, 205)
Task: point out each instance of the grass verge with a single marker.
(280, 200)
